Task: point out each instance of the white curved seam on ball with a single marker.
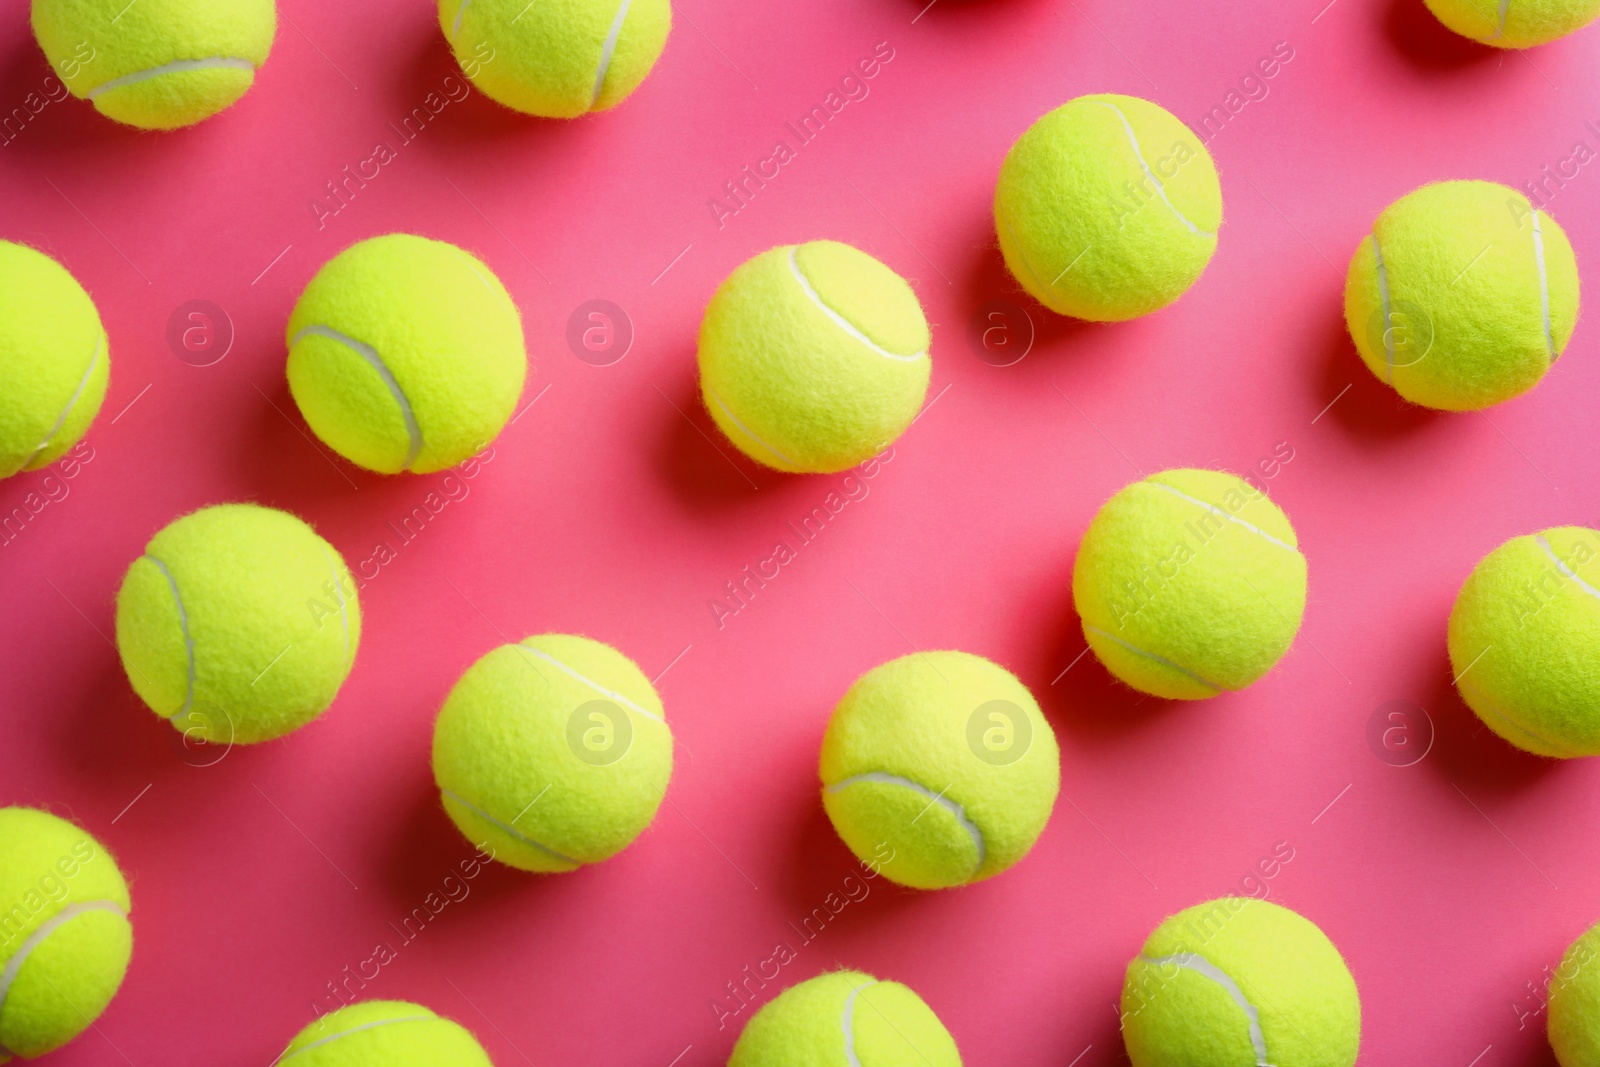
(508, 828)
(1252, 527)
(355, 1030)
(1161, 190)
(1200, 965)
(8, 973)
(839, 320)
(1164, 661)
(1500, 27)
(847, 1024)
(1566, 571)
(608, 50)
(188, 638)
(726, 410)
(455, 29)
(1388, 316)
(180, 66)
(1544, 286)
(83, 383)
(591, 683)
(955, 809)
(370, 354)
(1507, 721)
(338, 589)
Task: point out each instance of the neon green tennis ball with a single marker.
(406, 354)
(554, 752)
(1189, 583)
(55, 360)
(939, 770)
(1107, 208)
(156, 64)
(390, 1033)
(1525, 641)
(65, 939)
(845, 1017)
(814, 357)
(238, 624)
(1462, 295)
(1514, 23)
(1239, 981)
(1574, 1023)
(556, 58)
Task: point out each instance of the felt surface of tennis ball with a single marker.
(1514, 23)
(1525, 641)
(845, 1017)
(383, 1033)
(238, 624)
(1189, 583)
(814, 357)
(552, 753)
(938, 769)
(55, 360)
(406, 354)
(156, 64)
(1462, 296)
(556, 58)
(1574, 1021)
(65, 939)
(1239, 981)
(1107, 208)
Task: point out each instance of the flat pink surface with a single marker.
(612, 507)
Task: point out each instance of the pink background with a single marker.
(613, 508)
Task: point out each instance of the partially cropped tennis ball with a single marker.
(1574, 1023)
(406, 354)
(55, 360)
(938, 769)
(553, 752)
(1462, 295)
(238, 624)
(156, 64)
(1514, 23)
(814, 357)
(845, 1017)
(65, 939)
(556, 58)
(390, 1033)
(1189, 583)
(1239, 981)
(1107, 208)
(1525, 641)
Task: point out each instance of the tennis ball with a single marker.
(406, 354)
(238, 624)
(1236, 981)
(1107, 208)
(1514, 23)
(156, 64)
(556, 58)
(1189, 583)
(55, 360)
(388, 1032)
(1574, 1022)
(938, 769)
(845, 1017)
(552, 753)
(65, 939)
(1462, 295)
(1525, 641)
(814, 357)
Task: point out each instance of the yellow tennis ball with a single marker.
(1189, 583)
(814, 357)
(392, 1033)
(1574, 1022)
(65, 939)
(406, 354)
(238, 624)
(1240, 981)
(55, 360)
(1525, 641)
(556, 58)
(1107, 208)
(1514, 23)
(845, 1017)
(938, 769)
(156, 64)
(553, 752)
(1462, 295)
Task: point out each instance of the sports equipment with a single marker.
(552, 753)
(1574, 1023)
(939, 770)
(845, 1017)
(156, 64)
(814, 357)
(65, 939)
(556, 58)
(1189, 583)
(1238, 980)
(1462, 295)
(1514, 23)
(1525, 641)
(388, 1032)
(238, 624)
(55, 360)
(406, 354)
(1107, 208)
